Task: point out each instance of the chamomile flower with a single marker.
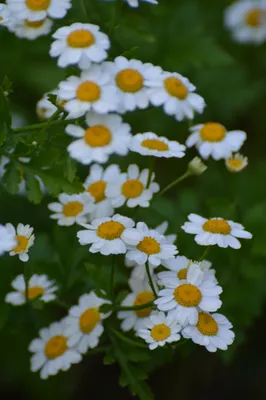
(212, 139)
(37, 10)
(5, 16)
(236, 162)
(96, 183)
(24, 237)
(84, 323)
(72, 209)
(130, 78)
(7, 240)
(159, 329)
(31, 30)
(135, 3)
(79, 44)
(149, 144)
(52, 351)
(104, 135)
(178, 267)
(183, 298)
(38, 287)
(247, 21)
(92, 91)
(176, 94)
(213, 231)
(44, 108)
(131, 188)
(212, 331)
(148, 245)
(106, 235)
(141, 293)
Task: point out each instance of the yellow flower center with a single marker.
(254, 17)
(22, 244)
(38, 5)
(34, 24)
(160, 332)
(176, 88)
(132, 188)
(72, 209)
(97, 136)
(80, 38)
(155, 144)
(34, 292)
(129, 80)
(207, 325)
(217, 226)
(212, 132)
(187, 295)
(110, 230)
(235, 163)
(97, 190)
(149, 246)
(143, 298)
(182, 274)
(89, 319)
(88, 91)
(56, 347)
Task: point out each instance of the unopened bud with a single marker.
(196, 166)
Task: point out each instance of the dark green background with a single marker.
(186, 36)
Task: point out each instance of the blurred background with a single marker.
(186, 36)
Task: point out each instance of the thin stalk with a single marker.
(175, 182)
(150, 279)
(151, 168)
(25, 275)
(84, 9)
(134, 308)
(43, 125)
(205, 253)
(125, 339)
(112, 278)
(117, 8)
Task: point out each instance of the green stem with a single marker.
(26, 283)
(62, 304)
(84, 9)
(151, 168)
(112, 279)
(43, 125)
(205, 253)
(175, 182)
(117, 8)
(125, 339)
(150, 279)
(133, 308)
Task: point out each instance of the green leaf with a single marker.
(70, 169)
(33, 188)
(12, 177)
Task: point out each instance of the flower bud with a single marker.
(196, 166)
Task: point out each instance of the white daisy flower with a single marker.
(130, 78)
(6, 17)
(178, 267)
(104, 135)
(148, 245)
(213, 231)
(141, 294)
(236, 162)
(135, 3)
(212, 331)
(24, 240)
(31, 29)
(106, 235)
(139, 270)
(92, 91)
(159, 329)
(7, 240)
(84, 323)
(212, 139)
(72, 208)
(149, 144)
(52, 351)
(96, 184)
(79, 44)
(247, 21)
(183, 298)
(38, 286)
(131, 188)
(37, 10)
(176, 94)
